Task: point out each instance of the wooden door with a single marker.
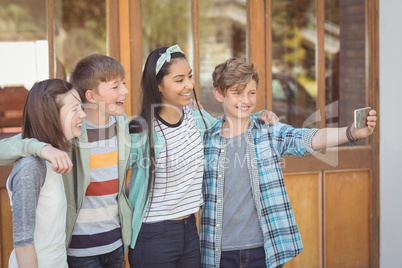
(334, 193)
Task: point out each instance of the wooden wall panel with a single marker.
(347, 197)
(135, 55)
(124, 27)
(268, 55)
(6, 228)
(112, 28)
(257, 47)
(373, 92)
(304, 192)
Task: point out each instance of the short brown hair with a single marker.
(41, 115)
(94, 69)
(232, 72)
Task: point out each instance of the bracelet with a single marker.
(352, 140)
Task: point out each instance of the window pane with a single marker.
(223, 32)
(80, 30)
(23, 54)
(345, 60)
(166, 23)
(294, 85)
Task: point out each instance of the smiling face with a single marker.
(110, 97)
(71, 114)
(236, 104)
(176, 87)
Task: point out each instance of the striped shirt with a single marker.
(265, 148)
(179, 170)
(97, 229)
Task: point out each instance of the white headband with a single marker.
(165, 57)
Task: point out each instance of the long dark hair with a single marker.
(151, 105)
(41, 115)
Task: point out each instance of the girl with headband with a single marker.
(167, 162)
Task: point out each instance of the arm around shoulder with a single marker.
(209, 119)
(15, 147)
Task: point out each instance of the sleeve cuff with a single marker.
(37, 148)
(308, 140)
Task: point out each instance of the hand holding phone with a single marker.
(360, 117)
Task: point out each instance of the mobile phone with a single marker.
(360, 116)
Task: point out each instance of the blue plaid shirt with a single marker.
(266, 145)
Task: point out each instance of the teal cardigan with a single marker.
(139, 172)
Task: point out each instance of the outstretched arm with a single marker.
(328, 137)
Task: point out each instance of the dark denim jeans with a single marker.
(246, 258)
(112, 259)
(167, 244)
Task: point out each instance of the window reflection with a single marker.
(80, 30)
(294, 85)
(166, 23)
(23, 54)
(345, 80)
(223, 34)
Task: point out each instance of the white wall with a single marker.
(390, 133)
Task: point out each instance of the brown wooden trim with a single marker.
(195, 23)
(4, 173)
(321, 226)
(256, 46)
(320, 61)
(348, 158)
(50, 37)
(124, 30)
(112, 29)
(268, 55)
(135, 55)
(372, 82)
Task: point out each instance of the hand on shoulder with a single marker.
(269, 118)
(60, 160)
(195, 105)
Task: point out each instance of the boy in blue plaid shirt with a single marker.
(247, 218)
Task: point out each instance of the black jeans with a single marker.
(167, 244)
(246, 258)
(112, 259)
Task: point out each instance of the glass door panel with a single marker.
(80, 30)
(345, 43)
(166, 23)
(294, 40)
(223, 34)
